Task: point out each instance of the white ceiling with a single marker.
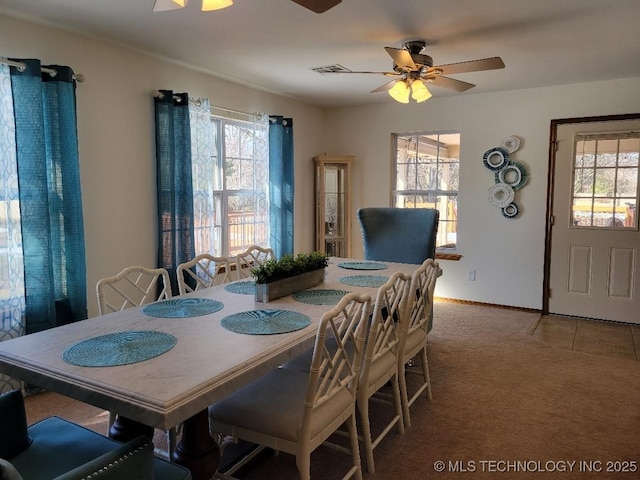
(273, 44)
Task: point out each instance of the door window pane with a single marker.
(605, 180)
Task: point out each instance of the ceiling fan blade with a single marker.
(385, 87)
(165, 5)
(492, 63)
(388, 74)
(402, 58)
(318, 6)
(450, 83)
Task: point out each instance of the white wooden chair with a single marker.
(379, 362)
(296, 412)
(203, 271)
(413, 335)
(381, 359)
(133, 287)
(252, 257)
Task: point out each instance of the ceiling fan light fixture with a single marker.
(210, 5)
(165, 5)
(419, 92)
(400, 91)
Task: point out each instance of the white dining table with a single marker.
(207, 362)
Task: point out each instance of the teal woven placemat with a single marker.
(363, 265)
(120, 348)
(320, 297)
(182, 307)
(265, 322)
(364, 280)
(247, 287)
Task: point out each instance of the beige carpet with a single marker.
(505, 406)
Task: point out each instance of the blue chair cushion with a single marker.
(60, 446)
(404, 235)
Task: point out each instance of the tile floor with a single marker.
(590, 336)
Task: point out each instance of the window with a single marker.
(230, 187)
(605, 181)
(426, 172)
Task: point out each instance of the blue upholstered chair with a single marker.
(57, 449)
(404, 235)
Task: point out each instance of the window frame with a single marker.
(444, 222)
(219, 195)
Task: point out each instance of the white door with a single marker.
(594, 265)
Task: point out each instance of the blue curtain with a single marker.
(174, 189)
(52, 227)
(281, 184)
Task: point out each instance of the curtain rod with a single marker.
(158, 94)
(79, 77)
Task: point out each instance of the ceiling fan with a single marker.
(318, 6)
(414, 69)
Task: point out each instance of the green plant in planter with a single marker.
(289, 266)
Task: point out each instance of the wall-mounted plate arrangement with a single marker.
(509, 176)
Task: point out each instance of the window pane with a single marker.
(605, 182)
(627, 182)
(231, 215)
(450, 177)
(607, 153)
(583, 182)
(427, 176)
(605, 191)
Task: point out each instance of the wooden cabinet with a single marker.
(333, 204)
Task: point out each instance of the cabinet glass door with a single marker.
(334, 209)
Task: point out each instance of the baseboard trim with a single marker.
(484, 304)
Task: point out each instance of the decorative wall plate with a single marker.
(496, 158)
(500, 195)
(510, 144)
(511, 210)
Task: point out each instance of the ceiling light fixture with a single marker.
(207, 5)
(403, 88)
(419, 91)
(400, 91)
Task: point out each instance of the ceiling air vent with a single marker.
(330, 69)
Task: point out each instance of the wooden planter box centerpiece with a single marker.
(287, 275)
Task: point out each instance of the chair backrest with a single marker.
(203, 271)
(335, 370)
(132, 287)
(405, 235)
(420, 303)
(389, 310)
(252, 257)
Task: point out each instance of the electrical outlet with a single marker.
(471, 275)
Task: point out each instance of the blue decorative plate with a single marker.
(182, 307)
(320, 297)
(363, 265)
(496, 159)
(364, 280)
(247, 287)
(122, 348)
(265, 322)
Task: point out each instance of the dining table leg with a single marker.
(124, 429)
(196, 450)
